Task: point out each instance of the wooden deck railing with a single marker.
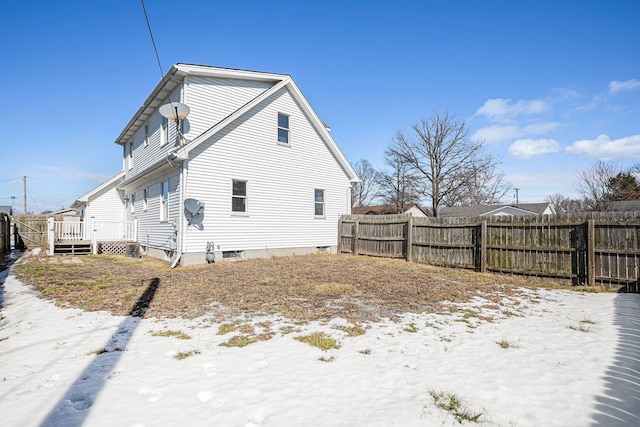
(92, 231)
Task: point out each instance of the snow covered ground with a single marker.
(571, 359)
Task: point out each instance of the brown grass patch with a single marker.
(301, 288)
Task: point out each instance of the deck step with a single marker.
(72, 248)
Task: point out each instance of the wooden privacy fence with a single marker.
(5, 233)
(585, 248)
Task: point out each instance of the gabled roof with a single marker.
(382, 209)
(175, 77)
(625, 206)
(482, 210)
(113, 181)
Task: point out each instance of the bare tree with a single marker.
(441, 154)
(396, 183)
(563, 204)
(486, 187)
(594, 184)
(364, 192)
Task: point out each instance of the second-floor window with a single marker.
(146, 135)
(130, 155)
(164, 138)
(283, 128)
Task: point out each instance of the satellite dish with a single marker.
(193, 206)
(174, 110)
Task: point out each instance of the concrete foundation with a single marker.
(195, 258)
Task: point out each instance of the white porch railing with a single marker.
(93, 230)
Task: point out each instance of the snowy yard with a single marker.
(555, 358)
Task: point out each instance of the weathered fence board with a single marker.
(5, 233)
(584, 248)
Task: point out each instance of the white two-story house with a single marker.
(259, 170)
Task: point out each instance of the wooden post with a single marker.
(409, 238)
(483, 246)
(339, 245)
(51, 235)
(355, 237)
(591, 253)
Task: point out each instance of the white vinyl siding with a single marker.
(151, 232)
(212, 99)
(155, 150)
(282, 184)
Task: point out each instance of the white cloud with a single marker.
(603, 148)
(525, 148)
(497, 133)
(619, 86)
(541, 128)
(500, 108)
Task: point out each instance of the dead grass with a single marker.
(302, 288)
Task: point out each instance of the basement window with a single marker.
(232, 254)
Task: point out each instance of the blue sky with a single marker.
(551, 86)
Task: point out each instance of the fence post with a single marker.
(591, 253)
(356, 249)
(409, 238)
(483, 246)
(339, 245)
(50, 235)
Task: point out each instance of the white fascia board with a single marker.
(322, 130)
(229, 73)
(232, 117)
(113, 181)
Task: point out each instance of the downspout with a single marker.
(180, 234)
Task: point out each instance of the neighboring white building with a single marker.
(414, 210)
(253, 153)
(498, 210)
(104, 203)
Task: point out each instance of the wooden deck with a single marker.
(72, 247)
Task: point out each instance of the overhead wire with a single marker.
(155, 49)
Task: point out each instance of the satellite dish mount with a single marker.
(175, 111)
(193, 208)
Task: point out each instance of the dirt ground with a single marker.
(302, 288)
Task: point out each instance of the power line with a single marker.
(11, 179)
(152, 40)
(33, 200)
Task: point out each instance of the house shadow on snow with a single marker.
(74, 407)
(619, 405)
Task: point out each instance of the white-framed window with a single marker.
(239, 199)
(283, 128)
(145, 200)
(164, 138)
(132, 200)
(146, 135)
(164, 200)
(130, 155)
(319, 202)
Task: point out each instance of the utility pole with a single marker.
(517, 201)
(24, 180)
